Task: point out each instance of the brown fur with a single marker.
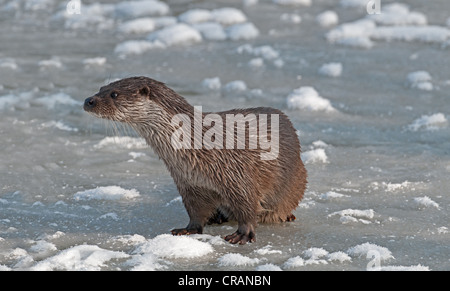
(215, 184)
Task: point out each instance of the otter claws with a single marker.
(185, 231)
(240, 238)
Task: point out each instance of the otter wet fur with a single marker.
(216, 184)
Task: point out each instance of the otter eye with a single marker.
(114, 95)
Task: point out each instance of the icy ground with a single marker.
(367, 94)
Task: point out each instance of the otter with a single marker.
(221, 180)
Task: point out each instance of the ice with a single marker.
(80, 193)
(106, 193)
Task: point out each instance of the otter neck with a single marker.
(159, 137)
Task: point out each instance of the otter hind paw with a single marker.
(240, 238)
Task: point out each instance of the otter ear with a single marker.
(144, 91)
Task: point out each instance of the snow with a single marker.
(139, 25)
(291, 18)
(212, 83)
(232, 259)
(125, 142)
(398, 14)
(235, 86)
(332, 195)
(307, 98)
(315, 156)
(58, 99)
(293, 2)
(354, 216)
(52, 63)
(79, 258)
(327, 18)
(195, 16)
(106, 193)
(228, 16)
(211, 31)
(362, 250)
(426, 202)
(137, 47)
(242, 31)
(134, 9)
(429, 122)
(98, 61)
(169, 246)
(395, 22)
(331, 69)
(420, 80)
(178, 34)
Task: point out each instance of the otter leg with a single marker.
(245, 213)
(199, 206)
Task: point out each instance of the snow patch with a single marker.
(307, 98)
(429, 122)
(354, 215)
(331, 70)
(106, 193)
(79, 258)
(233, 259)
(426, 202)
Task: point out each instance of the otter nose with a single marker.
(89, 103)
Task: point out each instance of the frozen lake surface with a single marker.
(368, 95)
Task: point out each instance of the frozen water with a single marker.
(78, 193)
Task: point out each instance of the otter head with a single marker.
(128, 100)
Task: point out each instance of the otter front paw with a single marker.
(185, 231)
(240, 238)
